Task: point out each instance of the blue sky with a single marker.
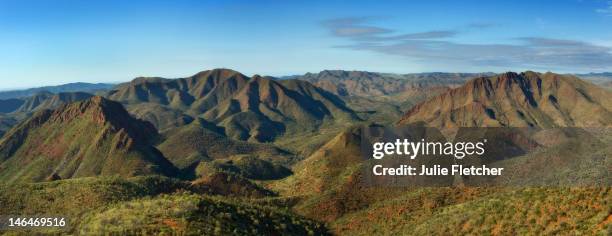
(46, 42)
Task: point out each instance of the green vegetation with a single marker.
(567, 211)
(196, 215)
(228, 184)
(146, 205)
(88, 138)
(247, 166)
(74, 197)
(328, 187)
(184, 146)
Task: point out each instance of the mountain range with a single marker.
(363, 83)
(220, 152)
(71, 87)
(41, 101)
(248, 108)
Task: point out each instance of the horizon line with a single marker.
(116, 82)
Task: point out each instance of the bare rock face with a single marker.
(527, 99)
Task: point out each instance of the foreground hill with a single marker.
(88, 138)
(191, 214)
(257, 108)
(147, 205)
(527, 99)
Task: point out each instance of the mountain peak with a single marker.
(97, 105)
(219, 73)
(87, 138)
(101, 111)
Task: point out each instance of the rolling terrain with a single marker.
(223, 153)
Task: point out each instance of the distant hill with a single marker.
(363, 83)
(527, 99)
(248, 108)
(14, 110)
(384, 97)
(40, 101)
(87, 138)
(597, 78)
(47, 100)
(10, 105)
(71, 87)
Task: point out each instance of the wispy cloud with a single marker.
(353, 27)
(357, 28)
(526, 52)
(607, 10)
(436, 34)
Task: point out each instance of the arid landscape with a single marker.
(224, 153)
(320, 117)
